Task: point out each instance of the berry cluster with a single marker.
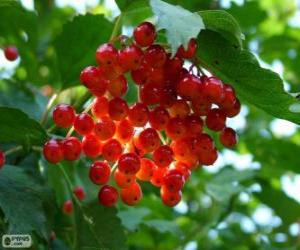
(159, 139)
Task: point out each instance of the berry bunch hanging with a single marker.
(159, 139)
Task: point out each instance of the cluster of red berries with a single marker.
(11, 53)
(161, 137)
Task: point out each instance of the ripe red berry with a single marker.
(99, 172)
(11, 53)
(129, 163)
(150, 93)
(208, 157)
(123, 180)
(229, 97)
(183, 169)
(234, 110)
(67, 207)
(156, 75)
(194, 125)
(117, 109)
(105, 128)
(201, 107)
(163, 156)
(173, 180)
(144, 34)
(118, 87)
(228, 137)
(170, 199)
(158, 177)
(100, 107)
(2, 159)
(146, 170)
(149, 140)
(176, 128)
(64, 115)
(108, 196)
(79, 192)
(190, 52)
(71, 148)
(203, 143)
(167, 96)
(155, 55)
(132, 195)
(91, 77)
(53, 151)
(138, 114)
(213, 89)
(159, 118)
(91, 146)
(180, 108)
(112, 150)
(124, 131)
(215, 119)
(189, 87)
(173, 67)
(130, 57)
(183, 150)
(83, 124)
(106, 55)
(141, 75)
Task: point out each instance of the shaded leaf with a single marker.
(163, 226)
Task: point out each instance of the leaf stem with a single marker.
(48, 107)
(116, 28)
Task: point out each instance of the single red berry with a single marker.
(155, 55)
(159, 118)
(72, 148)
(180, 108)
(149, 140)
(138, 114)
(144, 34)
(11, 53)
(99, 172)
(79, 192)
(2, 159)
(53, 151)
(173, 67)
(130, 57)
(176, 128)
(229, 97)
(91, 146)
(123, 180)
(203, 143)
(146, 170)
(106, 55)
(108, 196)
(183, 150)
(163, 156)
(156, 75)
(234, 110)
(111, 72)
(158, 177)
(184, 169)
(83, 124)
(112, 150)
(132, 195)
(189, 87)
(201, 107)
(68, 207)
(64, 115)
(228, 137)
(117, 109)
(141, 75)
(91, 77)
(190, 52)
(170, 199)
(129, 163)
(167, 96)
(173, 180)
(194, 125)
(150, 93)
(105, 128)
(100, 107)
(118, 87)
(215, 119)
(212, 89)
(208, 157)
(124, 131)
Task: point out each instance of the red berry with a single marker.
(108, 196)
(159, 118)
(91, 77)
(170, 199)
(203, 143)
(180, 108)
(138, 114)
(201, 107)
(64, 115)
(129, 163)
(176, 128)
(124, 131)
(106, 55)
(208, 157)
(91, 146)
(2, 159)
(117, 109)
(146, 170)
(167, 96)
(194, 125)
(215, 119)
(184, 151)
(144, 34)
(173, 180)
(229, 97)
(150, 93)
(68, 207)
(234, 110)
(105, 128)
(158, 176)
(132, 195)
(118, 86)
(72, 148)
(155, 55)
(11, 53)
(123, 180)
(173, 67)
(190, 52)
(111, 72)
(79, 192)
(189, 87)
(100, 107)
(130, 57)
(112, 150)
(213, 89)
(53, 151)
(156, 75)
(83, 124)
(228, 137)
(140, 75)
(184, 169)
(99, 172)
(149, 140)
(163, 156)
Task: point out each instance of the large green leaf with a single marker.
(180, 24)
(26, 204)
(258, 86)
(133, 217)
(16, 126)
(77, 44)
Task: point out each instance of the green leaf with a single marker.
(222, 22)
(163, 226)
(258, 86)
(133, 217)
(25, 203)
(16, 126)
(101, 230)
(180, 24)
(77, 44)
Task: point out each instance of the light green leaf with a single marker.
(133, 217)
(163, 226)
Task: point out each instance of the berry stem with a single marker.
(161, 137)
(20, 148)
(48, 108)
(113, 168)
(116, 28)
